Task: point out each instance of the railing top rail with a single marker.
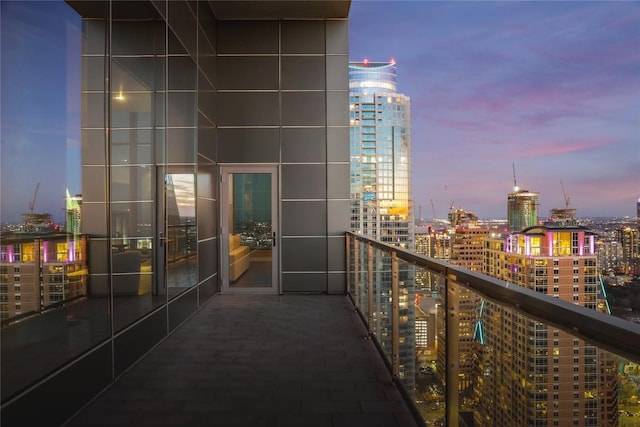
(608, 332)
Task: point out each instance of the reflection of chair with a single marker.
(238, 257)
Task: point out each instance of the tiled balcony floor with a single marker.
(258, 360)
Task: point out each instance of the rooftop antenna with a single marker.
(515, 184)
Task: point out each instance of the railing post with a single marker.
(347, 241)
(356, 273)
(370, 286)
(395, 317)
(452, 326)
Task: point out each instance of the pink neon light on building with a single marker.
(71, 251)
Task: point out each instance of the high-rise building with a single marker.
(522, 209)
(629, 239)
(380, 120)
(532, 373)
(467, 250)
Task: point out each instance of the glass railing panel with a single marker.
(351, 266)
(406, 324)
(517, 370)
(627, 374)
(380, 318)
(506, 356)
(363, 278)
(429, 369)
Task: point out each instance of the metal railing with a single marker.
(385, 309)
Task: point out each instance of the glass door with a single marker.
(249, 246)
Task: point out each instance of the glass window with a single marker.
(41, 158)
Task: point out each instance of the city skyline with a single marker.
(550, 87)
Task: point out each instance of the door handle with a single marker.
(274, 239)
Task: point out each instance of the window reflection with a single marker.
(181, 232)
(45, 305)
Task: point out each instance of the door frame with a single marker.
(224, 171)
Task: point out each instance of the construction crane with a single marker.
(564, 194)
(32, 203)
(566, 214)
(433, 210)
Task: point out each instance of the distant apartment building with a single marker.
(531, 373)
(38, 271)
(434, 242)
(610, 255)
(629, 240)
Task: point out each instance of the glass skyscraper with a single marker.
(522, 209)
(380, 138)
(380, 120)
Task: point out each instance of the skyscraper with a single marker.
(522, 209)
(380, 138)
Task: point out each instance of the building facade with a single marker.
(174, 109)
(380, 120)
(531, 373)
(629, 240)
(522, 209)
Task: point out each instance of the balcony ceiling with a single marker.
(283, 9)
(222, 9)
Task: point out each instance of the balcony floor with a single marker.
(258, 360)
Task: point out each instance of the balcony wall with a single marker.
(156, 95)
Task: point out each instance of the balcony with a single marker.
(267, 360)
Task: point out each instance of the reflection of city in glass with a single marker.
(252, 209)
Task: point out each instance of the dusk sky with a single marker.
(552, 87)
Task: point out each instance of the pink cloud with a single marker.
(562, 146)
